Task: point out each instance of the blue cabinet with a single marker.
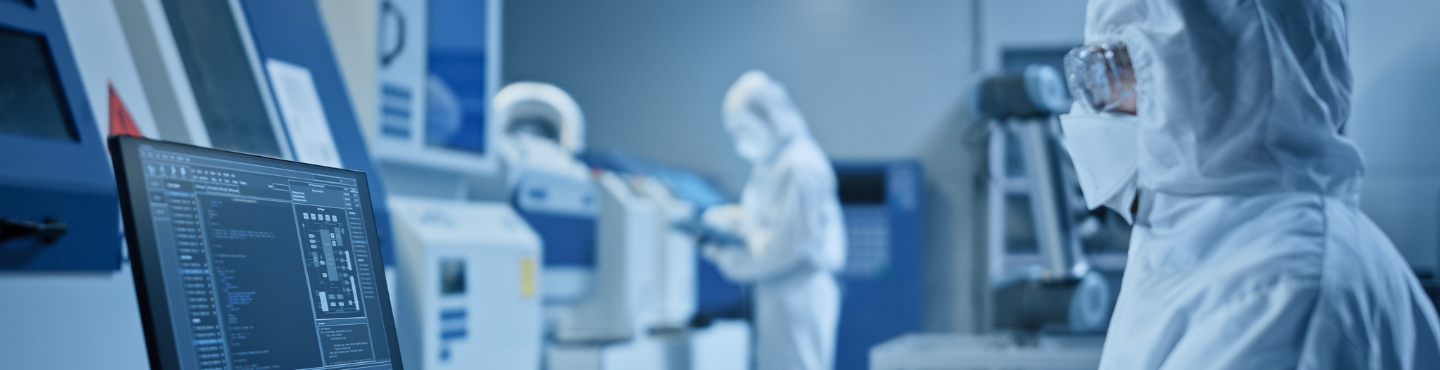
(882, 283)
(53, 167)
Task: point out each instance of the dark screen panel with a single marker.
(225, 86)
(861, 187)
(31, 99)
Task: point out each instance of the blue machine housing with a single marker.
(563, 211)
(291, 31)
(568, 239)
(882, 282)
(69, 181)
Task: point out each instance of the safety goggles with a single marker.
(1101, 77)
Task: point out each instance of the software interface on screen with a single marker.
(272, 263)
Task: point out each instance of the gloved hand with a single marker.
(724, 217)
(713, 253)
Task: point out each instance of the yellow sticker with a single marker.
(527, 277)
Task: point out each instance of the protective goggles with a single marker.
(1101, 77)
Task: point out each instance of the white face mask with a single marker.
(754, 141)
(1105, 151)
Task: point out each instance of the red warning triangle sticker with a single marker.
(120, 121)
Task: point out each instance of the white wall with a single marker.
(70, 321)
(1395, 57)
(872, 77)
(1028, 24)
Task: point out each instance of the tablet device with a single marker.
(248, 262)
(707, 235)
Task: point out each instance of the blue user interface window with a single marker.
(457, 89)
(265, 265)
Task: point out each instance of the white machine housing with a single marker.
(645, 273)
(445, 204)
(675, 296)
(493, 319)
(621, 300)
(542, 172)
(542, 130)
(522, 101)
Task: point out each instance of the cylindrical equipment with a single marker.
(1036, 92)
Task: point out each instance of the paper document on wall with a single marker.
(302, 113)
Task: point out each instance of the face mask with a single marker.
(753, 141)
(1105, 152)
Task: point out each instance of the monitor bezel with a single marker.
(145, 259)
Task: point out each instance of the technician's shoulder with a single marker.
(1372, 312)
(1224, 282)
(805, 166)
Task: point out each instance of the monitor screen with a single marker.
(247, 262)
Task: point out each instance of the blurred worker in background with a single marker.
(1223, 119)
(789, 217)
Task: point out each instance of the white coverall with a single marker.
(789, 215)
(1249, 249)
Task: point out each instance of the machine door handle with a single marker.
(47, 231)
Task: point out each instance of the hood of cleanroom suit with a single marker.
(789, 215)
(761, 117)
(1238, 97)
(1249, 250)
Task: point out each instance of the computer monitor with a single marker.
(243, 261)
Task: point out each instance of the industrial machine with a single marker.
(467, 281)
(645, 269)
(615, 270)
(254, 76)
(471, 284)
(67, 80)
(1059, 268)
(619, 280)
(882, 282)
(539, 132)
(644, 289)
(664, 331)
(675, 297)
(249, 76)
(621, 297)
(52, 218)
(714, 296)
